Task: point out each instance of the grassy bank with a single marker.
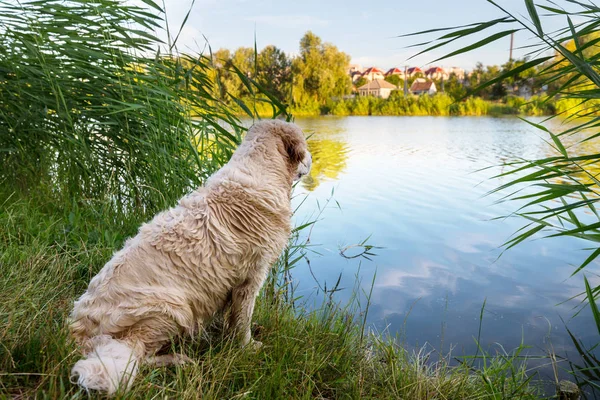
(49, 252)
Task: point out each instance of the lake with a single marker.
(414, 186)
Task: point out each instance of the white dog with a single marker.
(182, 267)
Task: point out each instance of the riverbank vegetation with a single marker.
(100, 131)
(441, 104)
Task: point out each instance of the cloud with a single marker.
(288, 21)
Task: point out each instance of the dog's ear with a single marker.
(294, 147)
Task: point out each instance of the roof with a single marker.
(377, 84)
(421, 86)
(433, 70)
(413, 70)
(373, 70)
(393, 71)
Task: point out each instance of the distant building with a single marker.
(355, 76)
(353, 68)
(395, 71)
(412, 71)
(377, 88)
(523, 89)
(421, 86)
(373, 73)
(459, 72)
(437, 73)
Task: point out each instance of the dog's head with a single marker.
(290, 143)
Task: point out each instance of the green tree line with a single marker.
(306, 81)
(316, 82)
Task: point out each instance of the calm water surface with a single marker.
(411, 183)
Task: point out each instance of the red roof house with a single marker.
(421, 86)
(414, 70)
(373, 73)
(394, 71)
(436, 73)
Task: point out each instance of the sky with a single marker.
(367, 31)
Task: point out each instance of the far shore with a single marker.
(436, 105)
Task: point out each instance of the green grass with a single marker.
(49, 251)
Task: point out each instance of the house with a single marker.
(356, 75)
(523, 89)
(377, 88)
(395, 71)
(458, 72)
(412, 71)
(421, 86)
(373, 73)
(437, 73)
(353, 68)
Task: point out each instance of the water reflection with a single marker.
(329, 151)
(329, 160)
(411, 183)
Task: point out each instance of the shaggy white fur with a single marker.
(109, 366)
(212, 249)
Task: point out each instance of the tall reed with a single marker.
(95, 106)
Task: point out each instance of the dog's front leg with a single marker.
(242, 306)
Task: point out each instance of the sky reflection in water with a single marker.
(412, 183)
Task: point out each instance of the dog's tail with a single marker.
(110, 365)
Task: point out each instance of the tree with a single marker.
(274, 72)
(498, 91)
(243, 59)
(454, 87)
(226, 82)
(223, 63)
(360, 82)
(395, 80)
(319, 72)
(483, 74)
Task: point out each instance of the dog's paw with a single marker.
(254, 345)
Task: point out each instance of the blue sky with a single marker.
(365, 30)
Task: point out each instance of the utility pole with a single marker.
(405, 79)
(512, 42)
(443, 89)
